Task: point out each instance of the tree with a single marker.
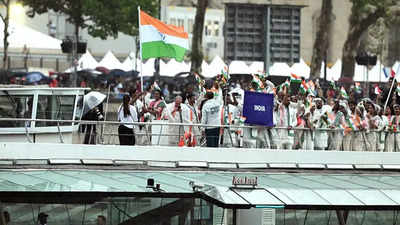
(102, 18)
(321, 44)
(364, 13)
(197, 39)
(6, 20)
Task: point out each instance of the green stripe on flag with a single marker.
(157, 49)
(295, 81)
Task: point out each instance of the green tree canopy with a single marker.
(364, 13)
(102, 18)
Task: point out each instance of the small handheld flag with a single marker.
(357, 87)
(225, 74)
(389, 72)
(378, 91)
(155, 86)
(295, 78)
(343, 93)
(257, 81)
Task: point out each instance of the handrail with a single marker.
(243, 135)
(166, 123)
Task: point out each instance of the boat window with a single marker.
(15, 106)
(55, 107)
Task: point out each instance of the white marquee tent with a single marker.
(23, 36)
(129, 63)
(238, 67)
(172, 67)
(257, 67)
(216, 66)
(301, 69)
(110, 62)
(87, 62)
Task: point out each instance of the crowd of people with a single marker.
(306, 116)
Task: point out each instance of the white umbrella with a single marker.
(91, 100)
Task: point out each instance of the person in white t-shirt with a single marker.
(126, 114)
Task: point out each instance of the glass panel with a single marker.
(17, 106)
(302, 197)
(393, 195)
(312, 217)
(55, 107)
(334, 182)
(304, 181)
(363, 180)
(258, 196)
(66, 183)
(338, 197)
(372, 197)
(391, 180)
(97, 178)
(169, 182)
(225, 195)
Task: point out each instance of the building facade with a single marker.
(262, 33)
(213, 38)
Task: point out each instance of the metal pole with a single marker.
(325, 59)
(268, 41)
(368, 59)
(74, 56)
(140, 52)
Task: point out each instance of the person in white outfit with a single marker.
(211, 115)
(126, 115)
(176, 112)
(286, 119)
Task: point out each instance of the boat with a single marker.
(79, 183)
(42, 103)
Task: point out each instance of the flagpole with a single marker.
(140, 53)
(390, 92)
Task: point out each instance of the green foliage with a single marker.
(362, 8)
(102, 18)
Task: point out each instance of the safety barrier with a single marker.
(163, 133)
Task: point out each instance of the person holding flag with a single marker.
(156, 106)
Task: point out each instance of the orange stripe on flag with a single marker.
(172, 30)
(295, 76)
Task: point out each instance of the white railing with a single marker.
(237, 136)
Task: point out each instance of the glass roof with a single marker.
(273, 189)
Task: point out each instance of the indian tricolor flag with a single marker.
(295, 78)
(343, 93)
(161, 40)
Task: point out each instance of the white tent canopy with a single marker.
(238, 67)
(87, 62)
(256, 67)
(301, 69)
(335, 71)
(110, 62)
(148, 67)
(216, 66)
(23, 36)
(173, 67)
(129, 63)
(280, 69)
